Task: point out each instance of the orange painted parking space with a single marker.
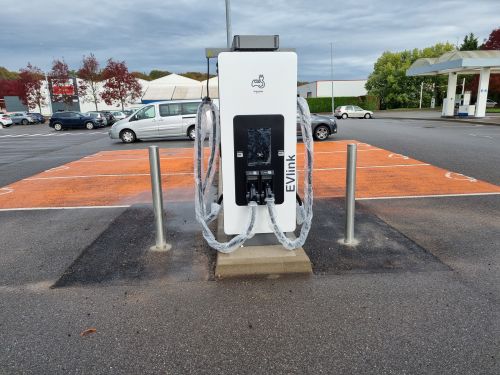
(115, 178)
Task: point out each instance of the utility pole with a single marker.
(331, 76)
(49, 97)
(228, 23)
(421, 92)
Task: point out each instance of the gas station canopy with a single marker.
(461, 62)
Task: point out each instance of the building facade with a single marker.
(341, 88)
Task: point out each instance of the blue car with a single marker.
(71, 120)
(38, 117)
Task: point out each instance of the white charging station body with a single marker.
(258, 105)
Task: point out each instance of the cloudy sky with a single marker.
(171, 35)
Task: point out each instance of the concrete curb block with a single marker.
(438, 119)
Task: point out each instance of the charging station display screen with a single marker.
(259, 147)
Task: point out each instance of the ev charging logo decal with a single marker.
(259, 82)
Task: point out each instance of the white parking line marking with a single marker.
(481, 136)
(6, 190)
(58, 208)
(460, 177)
(127, 159)
(104, 175)
(398, 156)
(48, 134)
(60, 168)
(428, 196)
(372, 166)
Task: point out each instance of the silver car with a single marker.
(158, 120)
(346, 111)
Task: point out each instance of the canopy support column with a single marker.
(482, 92)
(449, 101)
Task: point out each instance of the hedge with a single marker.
(317, 105)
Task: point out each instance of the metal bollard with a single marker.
(155, 172)
(350, 194)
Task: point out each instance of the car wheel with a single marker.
(344, 116)
(89, 125)
(321, 132)
(367, 115)
(25, 122)
(192, 133)
(127, 136)
(58, 127)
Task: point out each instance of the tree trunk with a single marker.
(95, 102)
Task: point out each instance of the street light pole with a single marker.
(331, 76)
(421, 92)
(48, 92)
(228, 23)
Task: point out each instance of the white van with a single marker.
(174, 118)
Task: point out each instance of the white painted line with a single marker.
(398, 156)
(428, 196)
(459, 177)
(60, 168)
(126, 159)
(481, 136)
(58, 208)
(372, 166)
(341, 152)
(104, 175)
(6, 190)
(47, 134)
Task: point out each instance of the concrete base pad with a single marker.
(262, 261)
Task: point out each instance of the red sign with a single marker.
(67, 89)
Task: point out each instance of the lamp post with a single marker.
(48, 92)
(228, 23)
(331, 76)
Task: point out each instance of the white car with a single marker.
(346, 111)
(490, 103)
(5, 121)
(118, 115)
(166, 119)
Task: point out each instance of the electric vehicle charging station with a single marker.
(255, 125)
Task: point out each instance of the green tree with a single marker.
(394, 88)
(470, 43)
(155, 74)
(6, 74)
(141, 75)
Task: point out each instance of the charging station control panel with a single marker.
(258, 118)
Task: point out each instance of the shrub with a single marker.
(317, 105)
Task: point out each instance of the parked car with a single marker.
(109, 117)
(118, 115)
(64, 120)
(95, 114)
(346, 111)
(38, 117)
(21, 118)
(5, 120)
(490, 103)
(322, 126)
(128, 112)
(158, 120)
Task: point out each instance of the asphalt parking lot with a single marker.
(430, 305)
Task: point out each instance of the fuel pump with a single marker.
(254, 129)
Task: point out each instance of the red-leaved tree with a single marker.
(492, 43)
(63, 89)
(31, 81)
(90, 74)
(121, 86)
